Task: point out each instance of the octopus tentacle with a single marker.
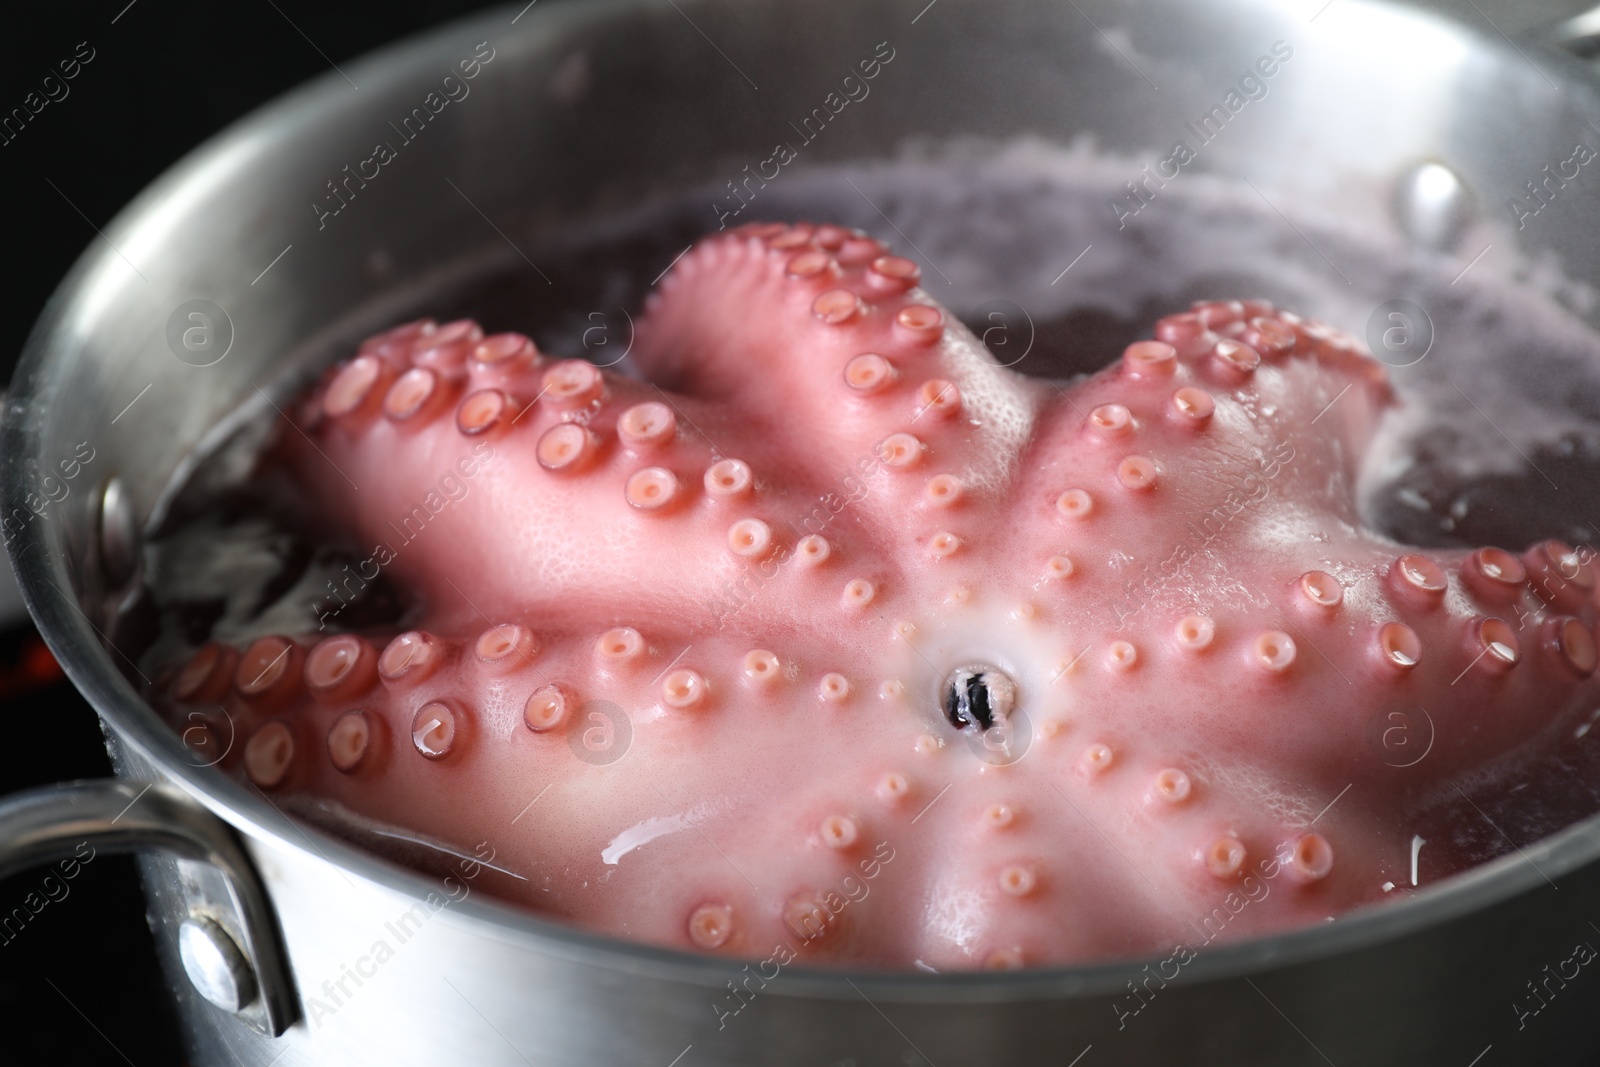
(837, 634)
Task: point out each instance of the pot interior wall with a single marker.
(582, 112)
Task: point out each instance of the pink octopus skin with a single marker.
(770, 561)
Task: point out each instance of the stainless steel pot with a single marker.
(287, 946)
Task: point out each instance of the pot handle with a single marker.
(229, 942)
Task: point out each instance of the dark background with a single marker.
(79, 984)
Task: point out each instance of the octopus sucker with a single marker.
(823, 625)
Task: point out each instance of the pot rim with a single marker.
(41, 573)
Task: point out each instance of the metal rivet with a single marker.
(119, 535)
(1432, 206)
(214, 964)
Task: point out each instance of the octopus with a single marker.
(820, 632)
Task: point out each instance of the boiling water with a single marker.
(1497, 440)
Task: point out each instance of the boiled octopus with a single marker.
(822, 629)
